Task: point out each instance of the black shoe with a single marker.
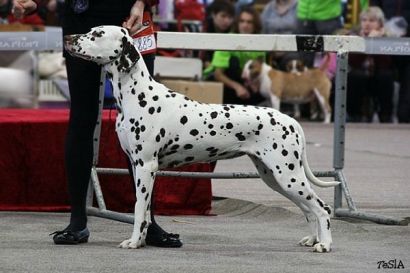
(68, 237)
(163, 240)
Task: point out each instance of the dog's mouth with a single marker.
(69, 41)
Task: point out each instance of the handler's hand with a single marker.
(242, 92)
(23, 7)
(134, 22)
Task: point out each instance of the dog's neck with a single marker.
(127, 86)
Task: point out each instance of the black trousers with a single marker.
(367, 95)
(83, 81)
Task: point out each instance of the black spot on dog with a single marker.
(143, 224)
(194, 132)
(189, 158)
(175, 147)
(296, 154)
(143, 103)
(272, 121)
(162, 132)
(275, 146)
(240, 137)
(188, 146)
(183, 120)
(151, 110)
(284, 152)
(214, 114)
(229, 125)
(291, 167)
(300, 192)
(328, 224)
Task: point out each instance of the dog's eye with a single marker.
(96, 33)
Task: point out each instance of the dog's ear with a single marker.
(260, 59)
(129, 55)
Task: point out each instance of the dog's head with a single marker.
(103, 45)
(295, 66)
(252, 69)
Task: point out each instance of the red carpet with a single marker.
(33, 177)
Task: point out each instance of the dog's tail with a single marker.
(312, 178)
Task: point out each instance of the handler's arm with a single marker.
(22, 8)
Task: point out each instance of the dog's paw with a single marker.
(309, 241)
(321, 248)
(131, 244)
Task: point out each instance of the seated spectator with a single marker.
(279, 17)
(370, 79)
(219, 19)
(228, 65)
(392, 9)
(7, 17)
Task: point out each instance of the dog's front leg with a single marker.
(144, 181)
(275, 101)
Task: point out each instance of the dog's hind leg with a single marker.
(324, 105)
(144, 182)
(269, 179)
(294, 185)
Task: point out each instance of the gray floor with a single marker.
(255, 230)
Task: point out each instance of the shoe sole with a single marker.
(81, 241)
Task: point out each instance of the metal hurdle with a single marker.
(342, 45)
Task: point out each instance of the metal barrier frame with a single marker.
(342, 45)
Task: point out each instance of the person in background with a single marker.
(219, 19)
(279, 17)
(7, 16)
(370, 78)
(228, 65)
(393, 8)
(84, 82)
(318, 18)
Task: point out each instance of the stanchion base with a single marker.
(379, 219)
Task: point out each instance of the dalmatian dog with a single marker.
(159, 128)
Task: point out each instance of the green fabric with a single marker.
(220, 59)
(319, 10)
(364, 4)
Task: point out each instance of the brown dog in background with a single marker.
(295, 88)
